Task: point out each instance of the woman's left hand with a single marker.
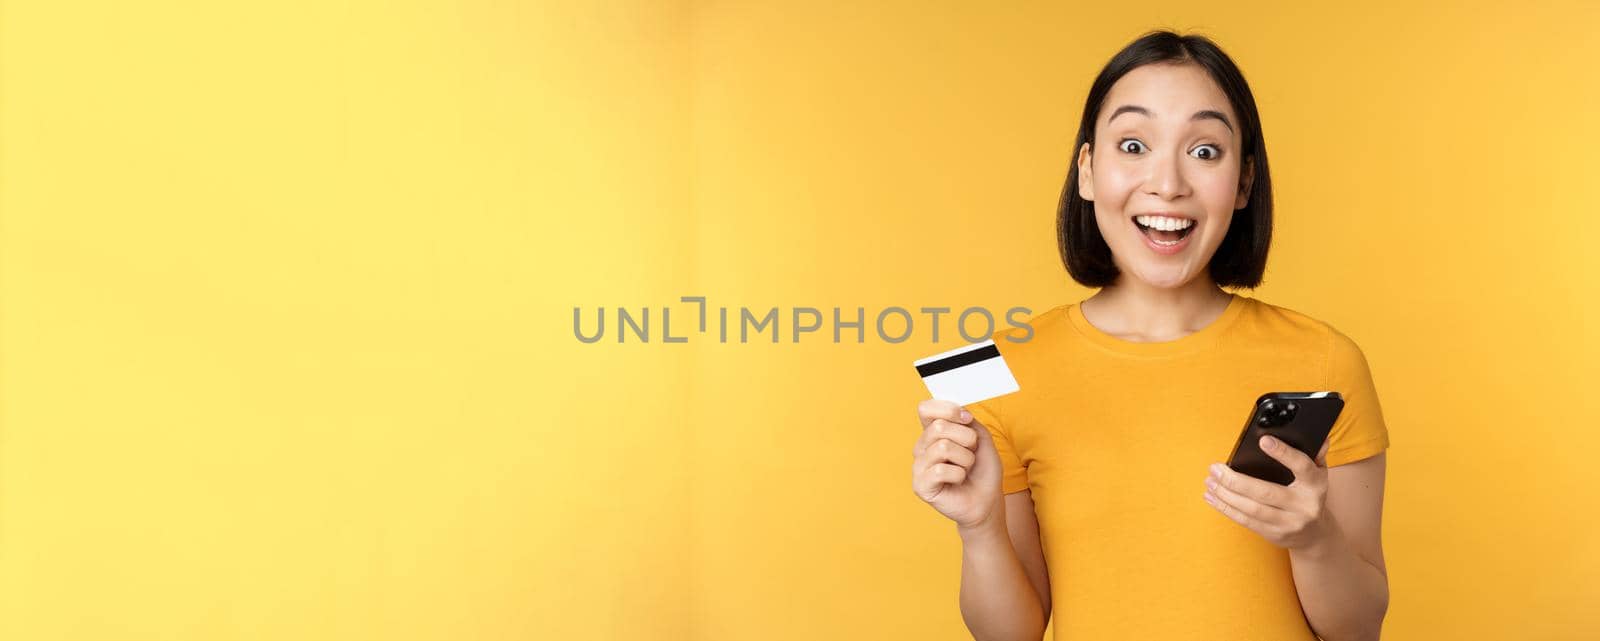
(1293, 516)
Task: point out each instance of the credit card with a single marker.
(967, 374)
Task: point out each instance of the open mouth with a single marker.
(1165, 230)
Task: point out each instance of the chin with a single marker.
(1163, 277)
(1167, 283)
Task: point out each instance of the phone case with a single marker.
(1301, 419)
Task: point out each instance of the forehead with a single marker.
(1172, 92)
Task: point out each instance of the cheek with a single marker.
(1112, 188)
(1217, 191)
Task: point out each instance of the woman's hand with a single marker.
(954, 465)
(1293, 516)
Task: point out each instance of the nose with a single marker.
(1166, 179)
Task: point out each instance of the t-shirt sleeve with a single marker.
(1359, 432)
(1013, 474)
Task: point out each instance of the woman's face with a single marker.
(1166, 145)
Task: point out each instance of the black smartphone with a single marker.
(1301, 419)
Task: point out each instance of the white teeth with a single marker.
(1164, 222)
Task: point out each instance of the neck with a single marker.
(1138, 311)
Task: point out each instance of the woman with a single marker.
(1098, 491)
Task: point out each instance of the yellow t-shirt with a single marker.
(1113, 437)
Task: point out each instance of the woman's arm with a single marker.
(956, 468)
(1005, 589)
(1329, 522)
(1343, 585)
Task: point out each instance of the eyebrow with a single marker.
(1198, 115)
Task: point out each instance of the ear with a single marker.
(1086, 172)
(1247, 178)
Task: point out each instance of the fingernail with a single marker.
(1268, 443)
(1216, 469)
(966, 416)
(1210, 483)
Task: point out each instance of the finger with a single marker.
(1235, 514)
(928, 482)
(1243, 484)
(1322, 454)
(947, 473)
(946, 451)
(933, 408)
(943, 429)
(1261, 512)
(1290, 457)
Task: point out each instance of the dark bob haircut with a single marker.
(1242, 257)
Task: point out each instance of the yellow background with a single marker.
(286, 297)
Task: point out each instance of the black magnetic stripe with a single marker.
(959, 360)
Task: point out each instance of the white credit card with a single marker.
(967, 374)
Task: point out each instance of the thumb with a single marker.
(1294, 459)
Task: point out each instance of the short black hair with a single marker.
(1241, 258)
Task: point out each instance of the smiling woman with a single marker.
(1173, 132)
(1095, 490)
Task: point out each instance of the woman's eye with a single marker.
(1131, 146)
(1207, 152)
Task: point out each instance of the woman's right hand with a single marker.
(955, 467)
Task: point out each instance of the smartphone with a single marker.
(1301, 419)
